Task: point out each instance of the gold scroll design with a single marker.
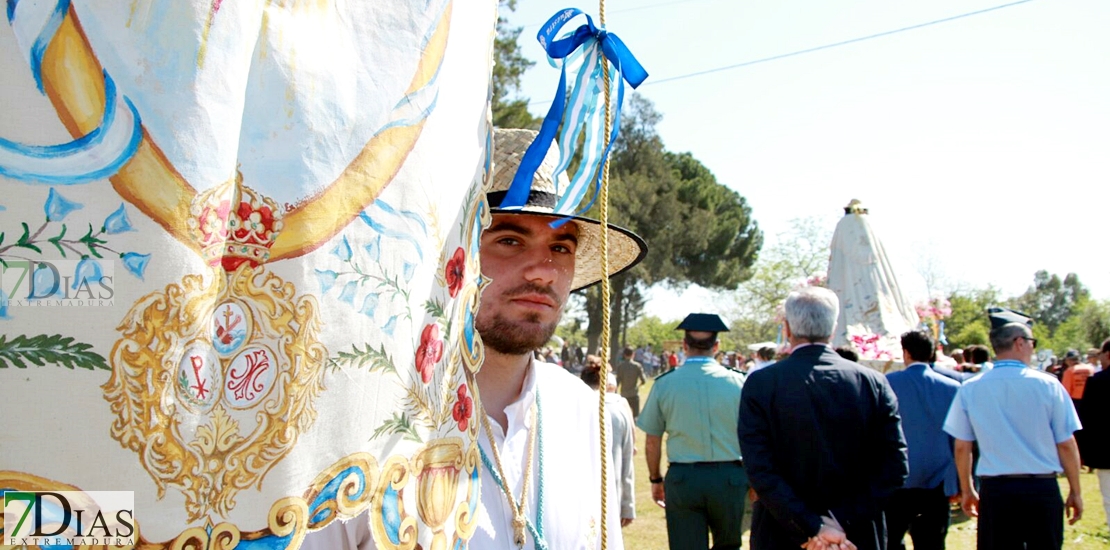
(219, 456)
(73, 80)
(467, 345)
(287, 517)
(438, 469)
(352, 480)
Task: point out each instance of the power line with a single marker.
(624, 10)
(651, 82)
(836, 44)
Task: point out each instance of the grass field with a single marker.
(649, 530)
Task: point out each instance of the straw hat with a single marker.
(626, 249)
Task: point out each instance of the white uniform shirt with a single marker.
(571, 474)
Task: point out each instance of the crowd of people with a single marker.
(840, 456)
(831, 455)
(571, 356)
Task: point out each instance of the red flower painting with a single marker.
(456, 270)
(429, 352)
(463, 409)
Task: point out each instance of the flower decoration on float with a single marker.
(932, 313)
(874, 347)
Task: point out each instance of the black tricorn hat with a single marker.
(1001, 317)
(703, 322)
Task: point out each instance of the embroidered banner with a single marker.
(238, 262)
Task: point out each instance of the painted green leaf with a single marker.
(25, 240)
(376, 359)
(57, 241)
(43, 349)
(91, 242)
(399, 424)
(434, 308)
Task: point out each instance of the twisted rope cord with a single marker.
(603, 199)
(536, 529)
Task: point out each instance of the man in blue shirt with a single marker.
(1024, 421)
(921, 505)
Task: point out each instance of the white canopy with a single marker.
(761, 345)
(860, 274)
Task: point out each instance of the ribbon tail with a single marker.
(517, 194)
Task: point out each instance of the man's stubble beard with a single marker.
(519, 338)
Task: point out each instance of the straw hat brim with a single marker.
(626, 249)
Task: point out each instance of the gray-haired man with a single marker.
(821, 439)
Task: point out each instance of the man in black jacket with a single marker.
(821, 439)
(1094, 413)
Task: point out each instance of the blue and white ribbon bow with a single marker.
(582, 114)
(94, 156)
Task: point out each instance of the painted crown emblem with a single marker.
(234, 224)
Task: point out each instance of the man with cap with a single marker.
(1024, 423)
(695, 405)
(539, 434)
(821, 438)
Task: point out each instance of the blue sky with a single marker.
(981, 145)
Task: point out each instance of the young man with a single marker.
(924, 397)
(540, 433)
(1023, 421)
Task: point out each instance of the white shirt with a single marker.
(759, 364)
(571, 474)
(621, 451)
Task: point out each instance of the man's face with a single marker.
(1104, 359)
(531, 267)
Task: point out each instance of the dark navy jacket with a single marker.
(820, 433)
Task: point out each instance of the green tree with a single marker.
(1094, 318)
(797, 255)
(1087, 328)
(968, 324)
(698, 230)
(649, 329)
(1052, 301)
(509, 64)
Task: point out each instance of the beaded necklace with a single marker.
(520, 519)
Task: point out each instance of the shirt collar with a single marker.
(917, 364)
(517, 411)
(1009, 363)
(807, 344)
(700, 360)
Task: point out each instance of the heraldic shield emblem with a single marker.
(249, 238)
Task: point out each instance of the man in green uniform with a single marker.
(630, 376)
(695, 405)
